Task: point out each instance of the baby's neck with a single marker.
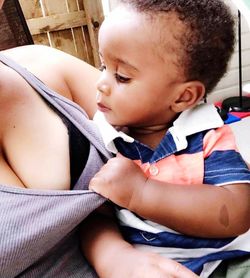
(150, 136)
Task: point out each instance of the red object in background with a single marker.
(240, 115)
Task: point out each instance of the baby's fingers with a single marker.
(176, 270)
(97, 184)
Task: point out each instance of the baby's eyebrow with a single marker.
(120, 61)
(125, 63)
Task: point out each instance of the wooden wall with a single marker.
(69, 25)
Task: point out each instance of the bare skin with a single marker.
(29, 146)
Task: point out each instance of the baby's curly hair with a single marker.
(208, 40)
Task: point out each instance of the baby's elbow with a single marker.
(244, 222)
(241, 217)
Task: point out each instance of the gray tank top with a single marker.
(39, 228)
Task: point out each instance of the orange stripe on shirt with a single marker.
(181, 169)
(220, 139)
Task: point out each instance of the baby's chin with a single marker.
(117, 124)
(121, 128)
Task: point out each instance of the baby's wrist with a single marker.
(137, 198)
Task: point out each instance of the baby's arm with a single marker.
(112, 257)
(190, 209)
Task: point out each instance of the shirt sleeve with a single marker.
(223, 163)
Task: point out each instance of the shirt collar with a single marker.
(109, 133)
(200, 118)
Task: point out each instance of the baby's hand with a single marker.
(139, 264)
(120, 180)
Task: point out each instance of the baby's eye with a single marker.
(102, 67)
(121, 79)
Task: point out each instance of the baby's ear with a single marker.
(190, 94)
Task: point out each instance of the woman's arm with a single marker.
(190, 209)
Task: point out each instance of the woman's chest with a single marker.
(34, 140)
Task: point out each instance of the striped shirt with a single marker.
(197, 149)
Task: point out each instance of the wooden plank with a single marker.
(33, 9)
(73, 5)
(94, 16)
(79, 40)
(89, 47)
(56, 22)
(80, 4)
(54, 6)
(62, 40)
(86, 38)
(41, 39)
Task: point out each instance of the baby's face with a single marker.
(139, 81)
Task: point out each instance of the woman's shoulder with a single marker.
(62, 72)
(14, 90)
(42, 61)
(30, 54)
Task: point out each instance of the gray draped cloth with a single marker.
(39, 235)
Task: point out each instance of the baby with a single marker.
(179, 183)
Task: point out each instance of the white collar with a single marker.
(201, 117)
(109, 133)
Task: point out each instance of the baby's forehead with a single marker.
(162, 28)
(160, 31)
(168, 32)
